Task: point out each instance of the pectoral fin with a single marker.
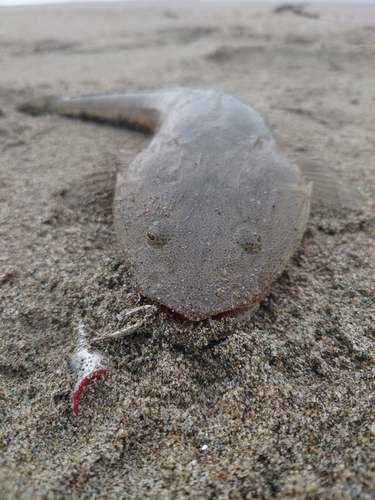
(328, 188)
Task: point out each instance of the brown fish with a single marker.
(211, 211)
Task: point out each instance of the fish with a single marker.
(211, 211)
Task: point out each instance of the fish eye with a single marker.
(248, 239)
(158, 234)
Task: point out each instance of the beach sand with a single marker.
(280, 405)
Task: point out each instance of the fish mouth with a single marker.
(240, 312)
(202, 306)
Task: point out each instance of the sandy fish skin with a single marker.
(211, 211)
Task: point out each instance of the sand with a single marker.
(280, 405)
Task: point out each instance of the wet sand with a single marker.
(279, 405)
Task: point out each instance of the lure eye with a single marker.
(158, 234)
(248, 239)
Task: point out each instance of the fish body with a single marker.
(211, 211)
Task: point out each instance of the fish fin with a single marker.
(39, 106)
(124, 158)
(138, 110)
(89, 197)
(328, 188)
